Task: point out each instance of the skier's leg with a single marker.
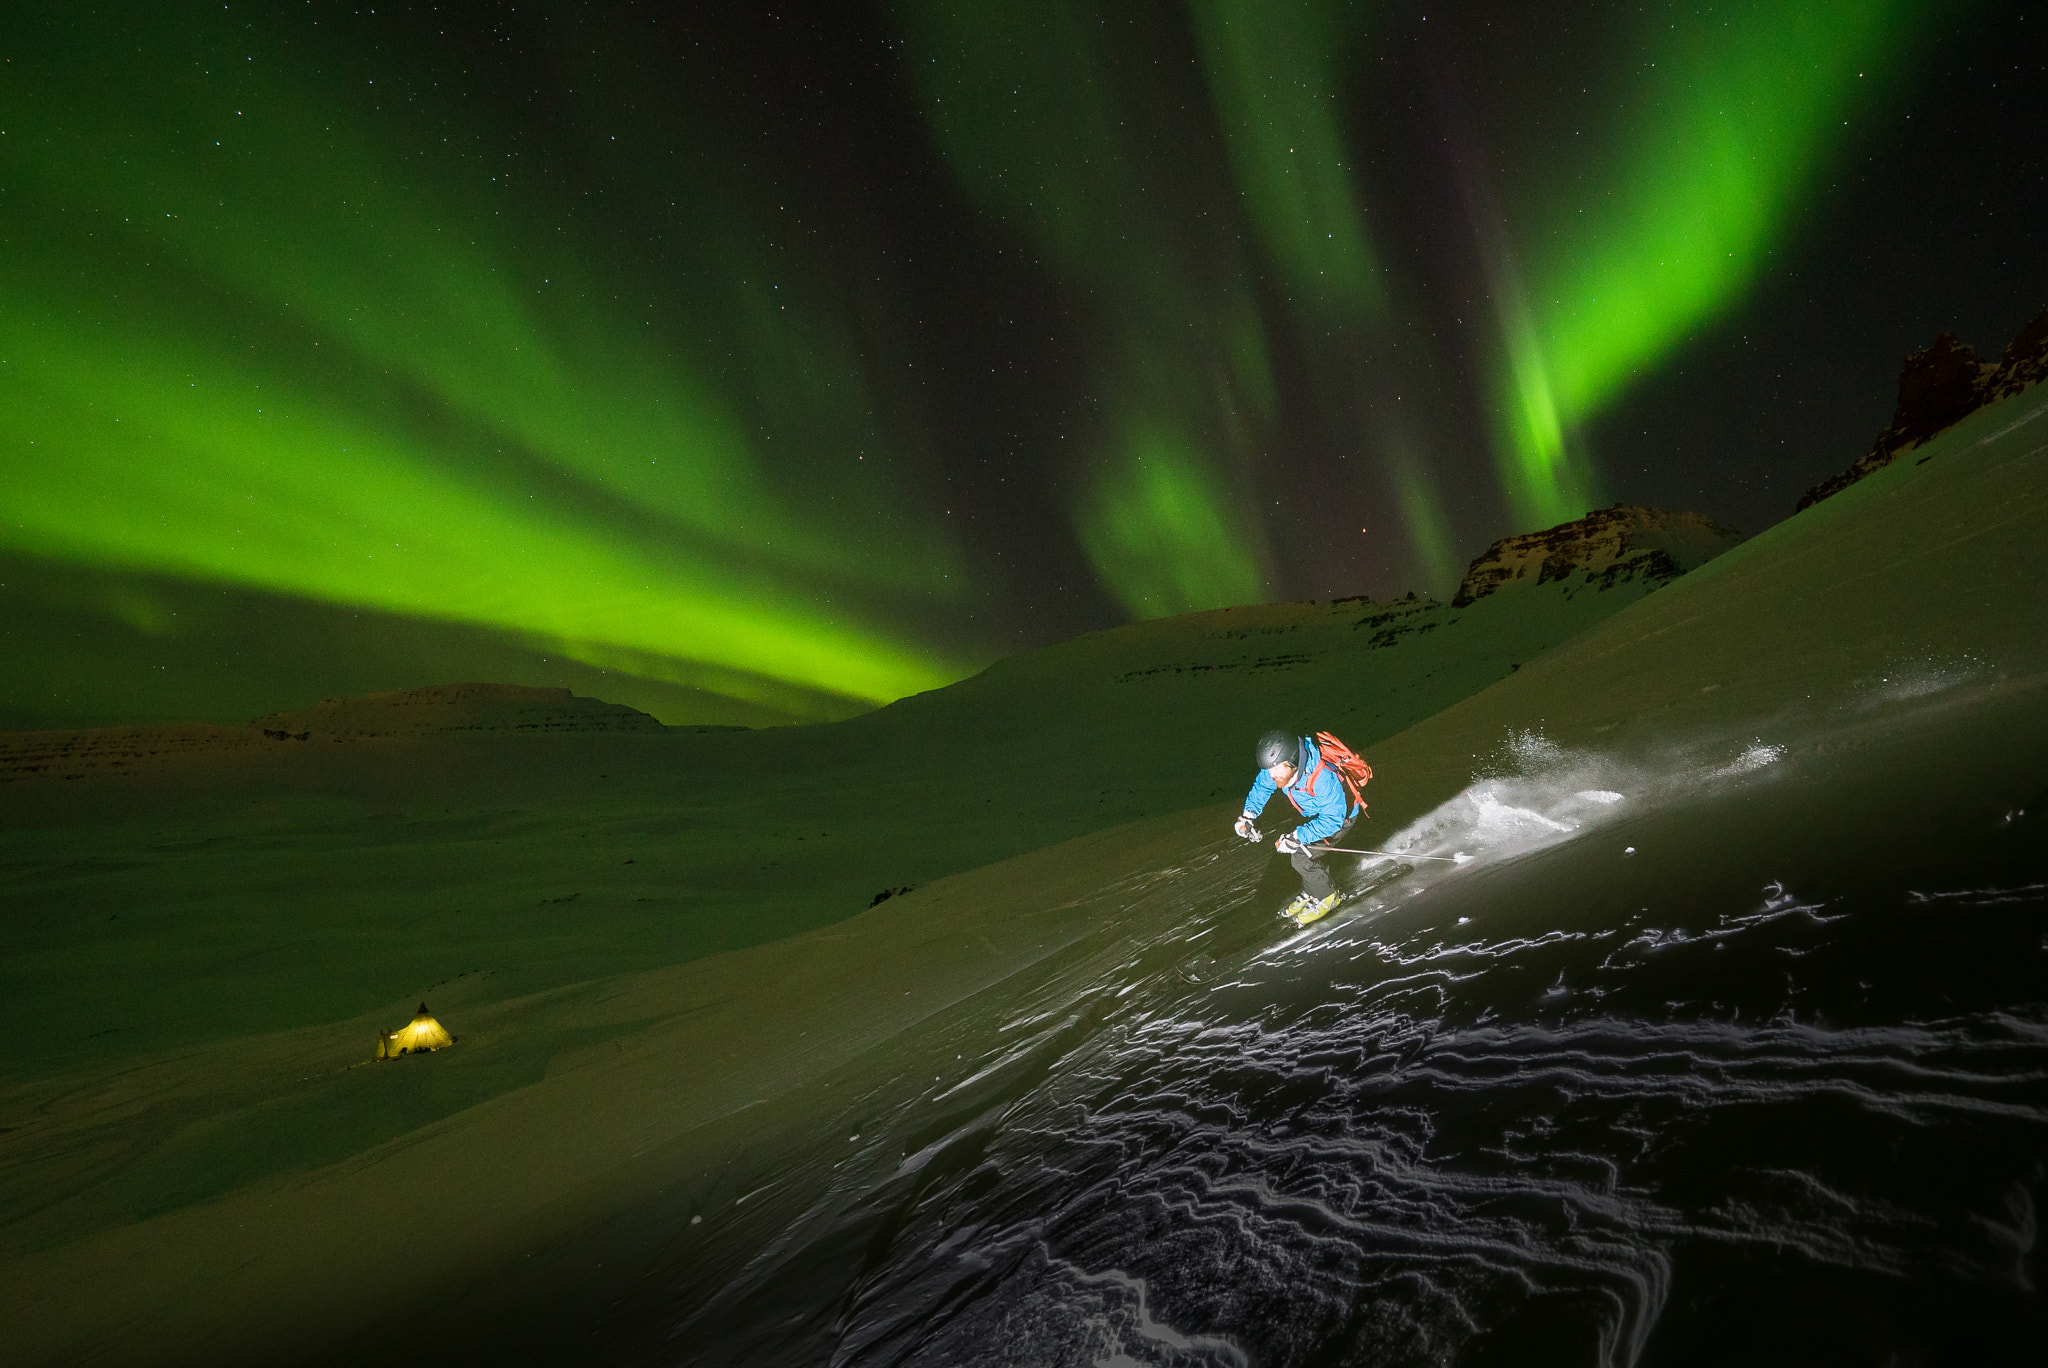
(1310, 863)
(1315, 880)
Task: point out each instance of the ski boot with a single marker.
(1305, 909)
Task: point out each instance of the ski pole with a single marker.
(1390, 855)
(1384, 854)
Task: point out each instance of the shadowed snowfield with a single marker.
(1727, 1043)
(1674, 1068)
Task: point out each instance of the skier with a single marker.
(1323, 793)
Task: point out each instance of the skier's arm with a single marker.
(1326, 809)
(1262, 789)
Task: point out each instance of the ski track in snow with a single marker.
(1377, 1160)
(1305, 1174)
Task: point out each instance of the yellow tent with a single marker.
(417, 1036)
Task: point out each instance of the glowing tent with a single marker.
(417, 1036)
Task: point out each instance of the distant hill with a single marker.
(456, 707)
(449, 708)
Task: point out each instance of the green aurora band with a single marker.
(1079, 144)
(421, 410)
(1273, 72)
(1726, 120)
(1057, 119)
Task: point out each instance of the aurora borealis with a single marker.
(812, 358)
(1712, 146)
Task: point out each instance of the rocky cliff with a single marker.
(1940, 387)
(1607, 547)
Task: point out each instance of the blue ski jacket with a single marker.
(1317, 793)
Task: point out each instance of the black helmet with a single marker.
(1277, 747)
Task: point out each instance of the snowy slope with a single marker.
(607, 1113)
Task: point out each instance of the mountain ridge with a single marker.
(1939, 386)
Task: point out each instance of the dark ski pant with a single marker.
(1309, 862)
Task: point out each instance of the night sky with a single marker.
(763, 363)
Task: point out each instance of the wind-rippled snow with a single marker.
(1410, 1139)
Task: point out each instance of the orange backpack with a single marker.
(1349, 764)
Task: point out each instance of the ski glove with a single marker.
(1244, 828)
(1287, 845)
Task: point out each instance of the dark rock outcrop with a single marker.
(1609, 546)
(1940, 387)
